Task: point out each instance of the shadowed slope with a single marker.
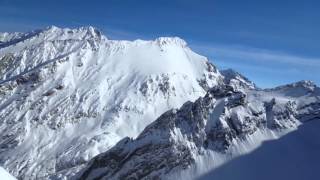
(294, 156)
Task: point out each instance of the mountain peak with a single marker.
(303, 84)
(237, 80)
(84, 32)
(163, 41)
(51, 28)
(306, 83)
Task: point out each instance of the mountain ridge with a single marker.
(176, 141)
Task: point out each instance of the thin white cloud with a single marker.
(257, 55)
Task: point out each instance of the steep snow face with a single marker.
(184, 143)
(67, 95)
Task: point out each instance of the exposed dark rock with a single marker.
(49, 93)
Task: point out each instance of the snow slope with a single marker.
(67, 95)
(4, 175)
(294, 156)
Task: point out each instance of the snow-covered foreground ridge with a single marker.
(4, 175)
(295, 156)
(67, 95)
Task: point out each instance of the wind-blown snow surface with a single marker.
(67, 95)
(294, 156)
(4, 175)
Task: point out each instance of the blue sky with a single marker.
(272, 42)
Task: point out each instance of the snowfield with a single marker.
(4, 175)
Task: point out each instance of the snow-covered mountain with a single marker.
(185, 143)
(67, 95)
(77, 105)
